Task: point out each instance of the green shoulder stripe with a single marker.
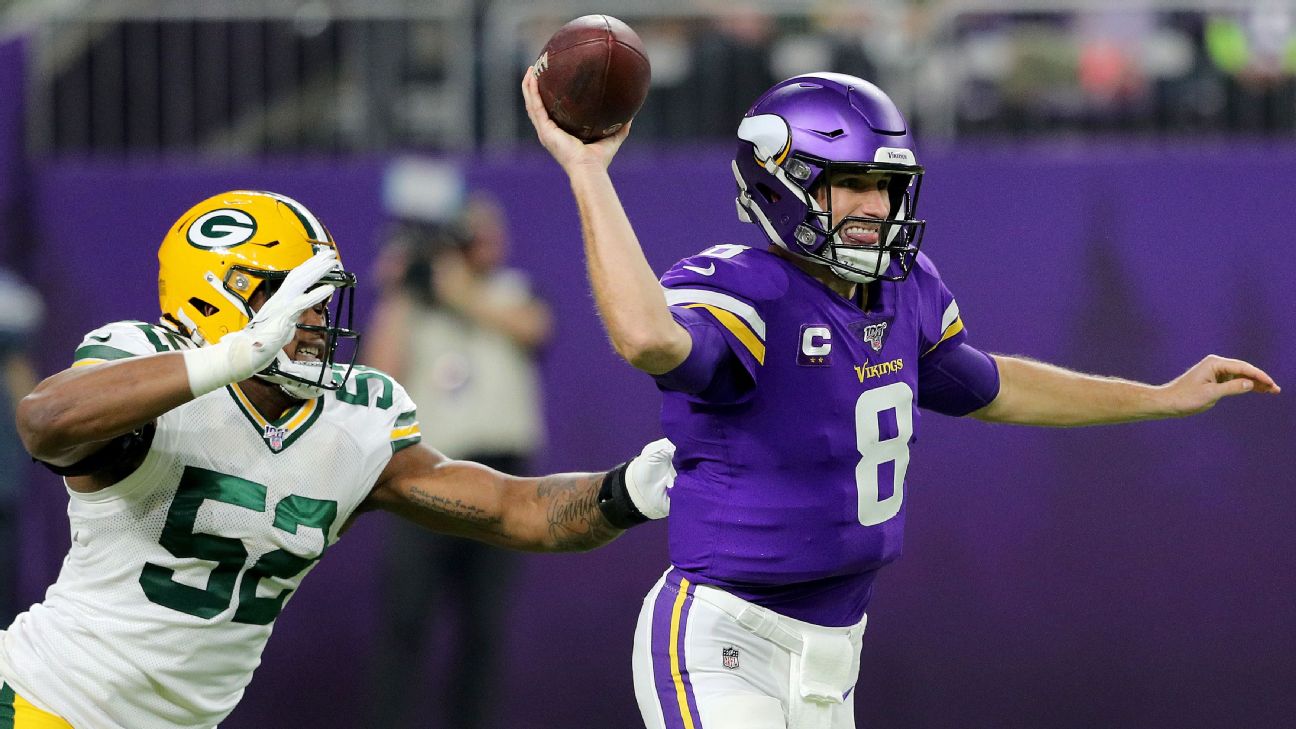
(6, 707)
(398, 445)
(100, 351)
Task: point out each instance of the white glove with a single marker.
(649, 478)
(239, 355)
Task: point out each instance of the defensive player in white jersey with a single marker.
(211, 458)
(792, 373)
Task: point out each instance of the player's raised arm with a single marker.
(556, 513)
(1034, 393)
(76, 412)
(629, 299)
(80, 410)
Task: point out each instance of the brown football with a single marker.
(593, 76)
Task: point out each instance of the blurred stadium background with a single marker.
(1110, 186)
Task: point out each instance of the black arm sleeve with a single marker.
(129, 448)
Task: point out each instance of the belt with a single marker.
(762, 621)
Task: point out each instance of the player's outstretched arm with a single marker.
(1035, 393)
(628, 296)
(556, 513)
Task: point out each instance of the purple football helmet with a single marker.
(797, 136)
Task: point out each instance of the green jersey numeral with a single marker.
(178, 537)
(292, 512)
(362, 376)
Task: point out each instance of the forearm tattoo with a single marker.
(572, 512)
(457, 509)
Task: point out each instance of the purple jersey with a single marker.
(791, 463)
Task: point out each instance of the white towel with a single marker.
(827, 667)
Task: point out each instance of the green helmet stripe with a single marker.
(308, 220)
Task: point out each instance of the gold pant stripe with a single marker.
(18, 713)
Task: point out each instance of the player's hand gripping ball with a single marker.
(593, 76)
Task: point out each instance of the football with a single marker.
(593, 76)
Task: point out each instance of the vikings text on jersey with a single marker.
(792, 463)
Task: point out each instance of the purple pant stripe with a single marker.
(667, 692)
(688, 680)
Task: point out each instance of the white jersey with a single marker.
(176, 574)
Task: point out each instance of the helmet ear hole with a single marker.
(768, 193)
(203, 307)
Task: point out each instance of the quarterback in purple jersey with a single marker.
(792, 371)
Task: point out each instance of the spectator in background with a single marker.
(20, 313)
(732, 64)
(1256, 49)
(461, 330)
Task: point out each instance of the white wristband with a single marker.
(209, 368)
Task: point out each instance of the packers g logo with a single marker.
(224, 228)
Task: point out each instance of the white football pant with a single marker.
(705, 659)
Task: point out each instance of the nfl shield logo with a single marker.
(275, 437)
(729, 657)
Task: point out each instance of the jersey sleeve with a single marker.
(942, 323)
(122, 339)
(405, 426)
(711, 372)
(387, 410)
(722, 290)
(954, 378)
(110, 342)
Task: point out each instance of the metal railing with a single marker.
(250, 77)
(342, 76)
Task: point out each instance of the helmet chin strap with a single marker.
(868, 260)
(863, 258)
(291, 387)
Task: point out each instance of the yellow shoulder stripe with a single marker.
(88, 361)
(405, 432)
(738, 328)
(950, 331)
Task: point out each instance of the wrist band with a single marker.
(208, 369)
(615, 502)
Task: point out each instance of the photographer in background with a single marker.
(460, 330)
